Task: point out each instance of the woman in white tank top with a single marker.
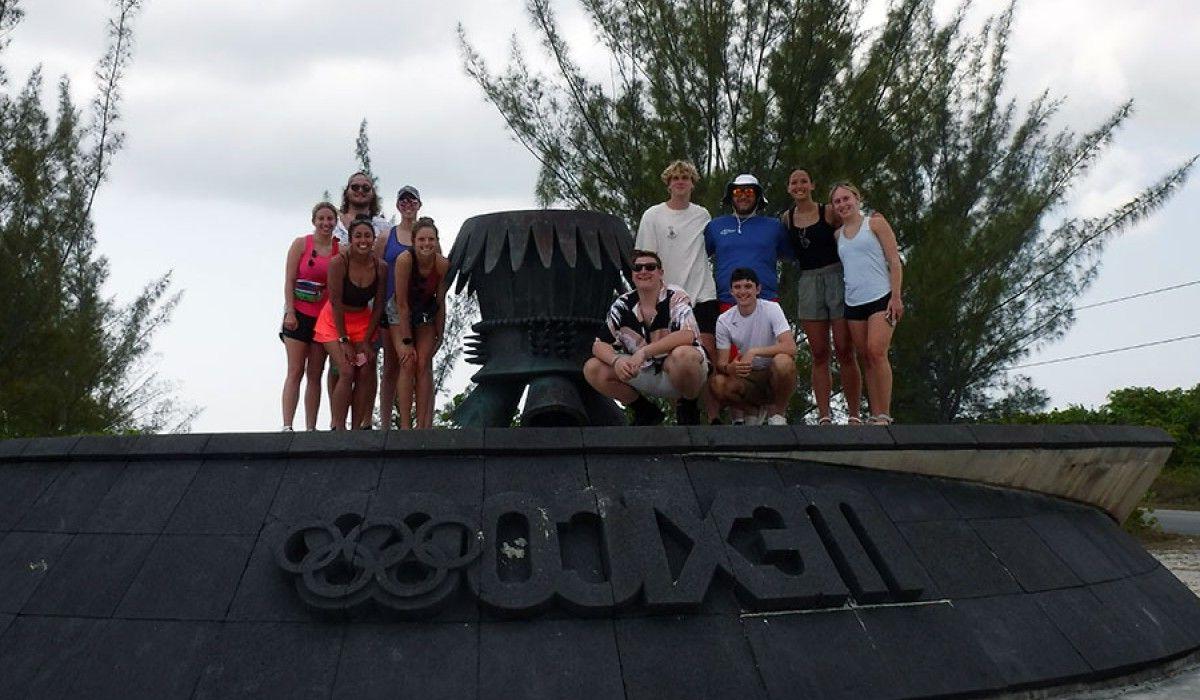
(871, 260)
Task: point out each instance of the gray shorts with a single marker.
(655, 382)
(821, 294)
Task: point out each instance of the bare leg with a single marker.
(387, 380)
(314, 368)
(843, 347)
(817, 333)
(365, 407)
(858, 340)
(339, 403)
(604, 380)
(424, 338)
(685, 368)
(783, 383)
(879, 368)
(405, 382)
(364, 392)
(297, 352)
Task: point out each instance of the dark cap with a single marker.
(410, 191)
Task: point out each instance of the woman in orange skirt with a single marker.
(347, 324)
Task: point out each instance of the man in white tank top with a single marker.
(762, 377)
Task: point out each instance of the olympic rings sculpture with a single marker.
(408, 565)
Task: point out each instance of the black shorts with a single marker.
(303, 332)
(706, 313)
(863, 311)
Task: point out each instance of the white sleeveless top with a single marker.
(866, 269)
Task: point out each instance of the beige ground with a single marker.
(1182, 557)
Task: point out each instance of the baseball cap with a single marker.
(410, 191)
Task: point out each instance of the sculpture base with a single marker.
(646, 562)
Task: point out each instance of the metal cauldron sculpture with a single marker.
(544, 280)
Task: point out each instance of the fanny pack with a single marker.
(308, 290)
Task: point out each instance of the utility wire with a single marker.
(1107, 352)
(1033, 333)
(1138, 295)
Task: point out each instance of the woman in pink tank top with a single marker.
(304, 294)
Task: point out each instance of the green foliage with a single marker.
(1176, 411)
(911, 110)
(75, 360)
(462, 310)
(362, 151)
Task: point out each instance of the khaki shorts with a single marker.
(821, 294)
(756, 387)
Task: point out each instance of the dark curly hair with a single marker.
(376, 204)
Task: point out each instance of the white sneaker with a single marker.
(777, 419)
(757, 418)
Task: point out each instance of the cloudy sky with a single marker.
(239, 115)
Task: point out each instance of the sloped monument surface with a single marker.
(569, 562)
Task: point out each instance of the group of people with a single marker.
(698, 333)
(716, 335)
(357, 285)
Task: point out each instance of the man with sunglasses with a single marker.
(650, 347)
(359, 199)
(746, 239)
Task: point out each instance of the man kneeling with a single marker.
(650, 347)
(762, 376)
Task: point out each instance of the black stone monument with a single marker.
(544, 280)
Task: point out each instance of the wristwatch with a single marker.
(344, 339)
(406, 341)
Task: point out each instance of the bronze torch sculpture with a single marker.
(544, 280)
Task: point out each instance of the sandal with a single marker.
(824, 420)
(881, 419)
(854, 420)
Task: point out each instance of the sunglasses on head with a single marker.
(738, 191)
(361, 188)
(648, 267)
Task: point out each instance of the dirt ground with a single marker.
(1182, 556)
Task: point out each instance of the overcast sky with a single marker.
(239, 115)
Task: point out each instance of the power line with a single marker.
(1033, 334)
(1107, 352)
(1138, 295)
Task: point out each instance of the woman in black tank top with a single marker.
(820, 297)
(357, 287)
(420, 303)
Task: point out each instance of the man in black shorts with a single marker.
(674, 230)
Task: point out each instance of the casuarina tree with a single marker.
(76, 360)
(913, 110)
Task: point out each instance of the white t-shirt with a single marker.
(758, 330)
(677, 235)
(382, 226)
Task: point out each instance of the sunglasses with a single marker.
(648, 267)
(410, 201)
(739, 191)
(361, 188)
